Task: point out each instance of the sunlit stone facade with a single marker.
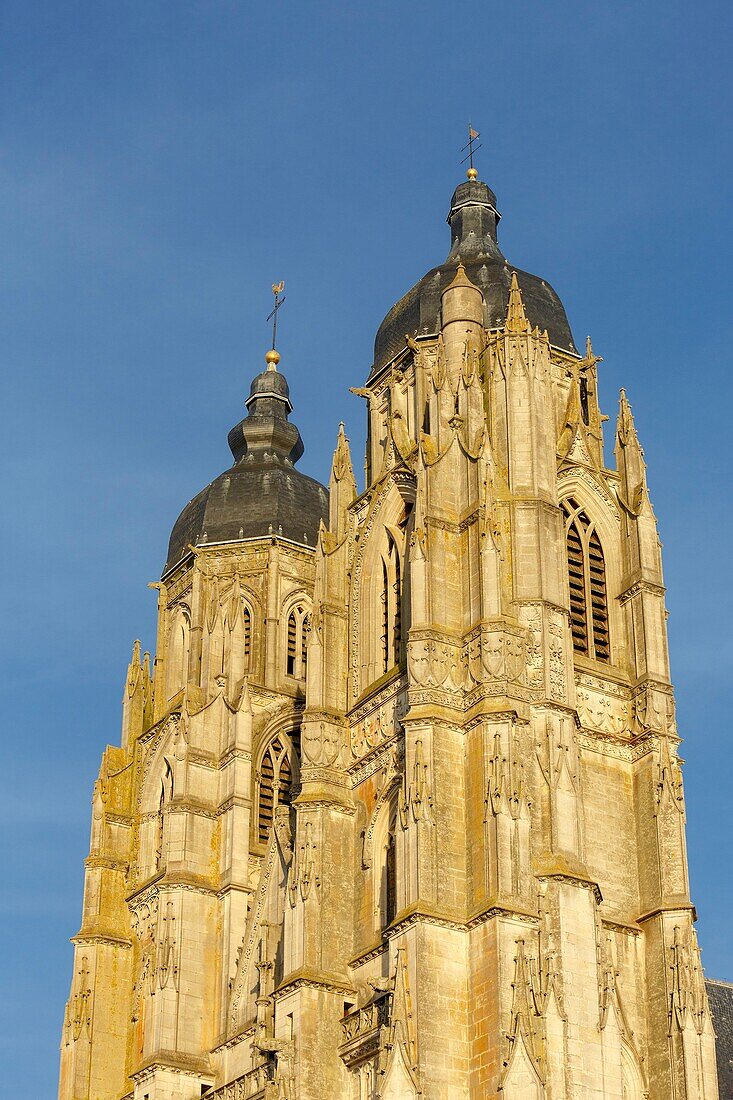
(397, 810)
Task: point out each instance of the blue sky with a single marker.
(161, 164)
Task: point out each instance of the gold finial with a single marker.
(272, 359)
(472, 173)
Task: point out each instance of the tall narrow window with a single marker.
(385, 616)
(299, 625)
(390, 875)
(247, 645)
(587, 577)
(305, 634)
(387, 880)
(292, 642)
(275, 784)
(391, 610)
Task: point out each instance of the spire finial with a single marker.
(473, 137)
(273, 357)
(590, 359)
(516, 318)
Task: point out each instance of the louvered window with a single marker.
(587, 578)
(247, 620)
(299, 627)
(267, 796)
(275, 783)
(292, 643)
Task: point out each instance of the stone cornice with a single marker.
(94, 939)
(171, 1060)
(669, 905)
(307, 976)
(379, 947)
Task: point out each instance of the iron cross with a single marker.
(277, 289)
(473, 137)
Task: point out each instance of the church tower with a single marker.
(397, 811)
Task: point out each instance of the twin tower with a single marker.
(397, 811)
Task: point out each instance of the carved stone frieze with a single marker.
(435, 660)
(377, 722)
(601, 709)
(376, 760)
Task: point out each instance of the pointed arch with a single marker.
(297, 617)
(381, 857)
(166, 794)
(277, 775)
(586, 563)
(380, 593)
(392, 597)
(178, 650)
(238, 648)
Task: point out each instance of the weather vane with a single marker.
(473, 137)
(277, 289)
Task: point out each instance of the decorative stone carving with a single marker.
(322, 743)
(377, 725)
(78, 1017)
(599, 710)
(304, 874)
(654, 709)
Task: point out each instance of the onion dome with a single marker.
(473, 219)
(262, 494)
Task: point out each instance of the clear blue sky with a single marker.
(162, 164)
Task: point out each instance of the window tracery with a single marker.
(587, 579)
(275, 780)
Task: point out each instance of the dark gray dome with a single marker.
(262, 493)
(473, 219)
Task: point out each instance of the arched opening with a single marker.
(275, 781)
(587, 580)
(298, 632)
(177, 656)
(166, 794)
(385, 865)
(391, 600)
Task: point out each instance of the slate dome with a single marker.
(473, 219)
(262, 493)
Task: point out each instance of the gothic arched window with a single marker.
(391, 597)
(299, 625)
(177, 658)
(275, 782)
(166, 794)
(387, 866)
(247, 639)
(587, 576)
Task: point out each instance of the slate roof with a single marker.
(720, 996)
(262, 493)
(473, 220)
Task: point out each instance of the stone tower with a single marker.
(398, 810)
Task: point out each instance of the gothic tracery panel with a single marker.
(587, 581)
